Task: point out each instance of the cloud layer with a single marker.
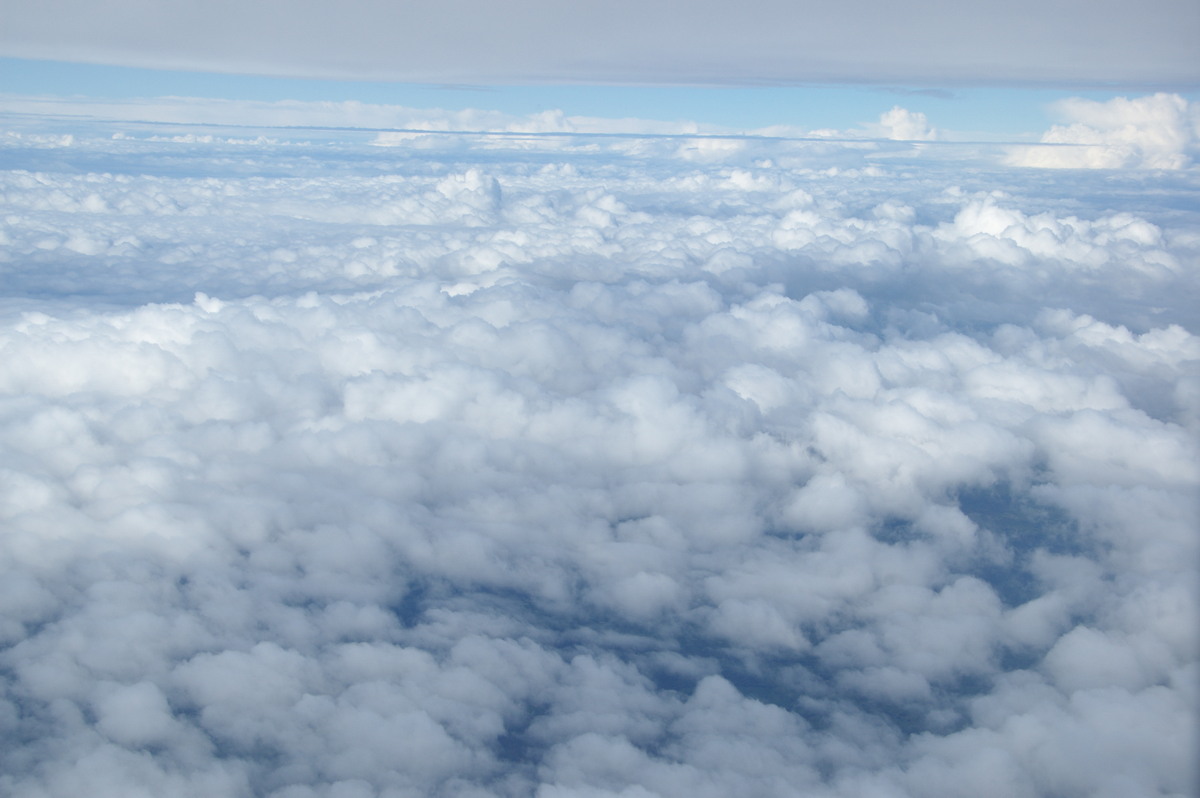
(1073, 42)
(599, 467)
(1155, 132)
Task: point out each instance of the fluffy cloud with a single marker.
(1161, 131)
(904, 125)
(519, 467)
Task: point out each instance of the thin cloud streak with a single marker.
(394, 122)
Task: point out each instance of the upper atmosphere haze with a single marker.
(1081, 43)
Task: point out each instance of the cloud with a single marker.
(294, 113)
(1074, 42)
(520, 468)
(904, 125)
(395, 125)
(1161, 131)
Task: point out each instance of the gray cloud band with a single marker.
(1099, 43)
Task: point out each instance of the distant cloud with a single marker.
(904, 125)
(405, 125)
(941, 42)
(1154, 132)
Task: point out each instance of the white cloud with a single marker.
(904, 125)
(333, 469)
(1161, 131)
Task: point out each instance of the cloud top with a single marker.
(1161, 131)
(512, 466)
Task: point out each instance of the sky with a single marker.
(992, 112)
(991, 70)
(657, 401)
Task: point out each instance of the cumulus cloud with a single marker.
(1161, 131)
(489, 467)
(902, 124)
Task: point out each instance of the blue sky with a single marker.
(987, 69)
(993, 112)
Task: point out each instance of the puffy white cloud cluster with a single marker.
(905, 125)
(1161, 131)
(508, 469)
